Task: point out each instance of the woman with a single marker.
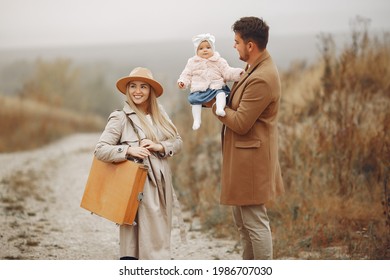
(150, 237)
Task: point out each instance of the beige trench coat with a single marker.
(150, 238)
(250, 172)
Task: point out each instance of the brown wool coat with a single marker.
(250, 171)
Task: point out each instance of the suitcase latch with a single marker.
(140, 196)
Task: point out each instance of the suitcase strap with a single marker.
(139, 138)
(134, 128)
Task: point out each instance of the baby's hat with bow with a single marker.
(203, 37)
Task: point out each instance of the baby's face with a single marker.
(205, 50)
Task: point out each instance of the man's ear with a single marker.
(250, 46)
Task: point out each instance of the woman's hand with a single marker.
(151, 146)
(138, 152)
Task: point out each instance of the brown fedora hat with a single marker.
(140, 74)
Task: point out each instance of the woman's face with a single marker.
(139, 93)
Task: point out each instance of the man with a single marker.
(251, 174)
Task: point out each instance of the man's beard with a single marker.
(244, 57)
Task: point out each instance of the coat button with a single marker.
(120, 149)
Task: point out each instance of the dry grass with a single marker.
(335, 153)
(26, 124)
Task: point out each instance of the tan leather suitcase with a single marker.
(114, 190)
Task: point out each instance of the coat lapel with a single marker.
(248, 72)
(236, 85)
(132, 115)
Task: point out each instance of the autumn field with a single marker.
(334, 146)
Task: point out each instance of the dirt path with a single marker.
(40, 216)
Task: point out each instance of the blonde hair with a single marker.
(161, 120)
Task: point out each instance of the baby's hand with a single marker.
(181, 85)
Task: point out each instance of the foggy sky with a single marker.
(39, 23)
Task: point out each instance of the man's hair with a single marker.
(252, 29)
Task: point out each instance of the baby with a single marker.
(206, 73)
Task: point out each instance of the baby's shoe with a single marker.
(196, 125)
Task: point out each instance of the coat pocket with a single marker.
(250, 144)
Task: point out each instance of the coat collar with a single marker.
(130, 113)
(264, 56)
(248, 71)
(127, 109)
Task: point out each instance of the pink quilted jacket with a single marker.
(201, 73)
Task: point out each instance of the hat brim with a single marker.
(121, 84)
